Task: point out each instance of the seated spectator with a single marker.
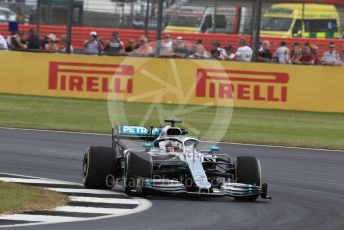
(330, 57)
(223, 53)
(180, 49)
(296, 53)
(230, 54)
(216, 54)
(342, 50)
(52, 45)
(341, 56)
(244, 52)
(282, 54)
(144, 50)
(314, 51)
(3, 43)
(16, 41)
(341, 59)
(198, 50)
(131, 46)
(114, 46)
(33, 41)
(44, 41)
(167, 43)
(94, 45)
(265, 54)
(63, 44)
(307, 57)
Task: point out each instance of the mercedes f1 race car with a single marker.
(166, 160)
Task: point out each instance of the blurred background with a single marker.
(217, 21)
(231, 16)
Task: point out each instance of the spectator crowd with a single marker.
(297, 54)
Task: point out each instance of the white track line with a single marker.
(89, 191)
(83, 209)
(56, 131)
(42, 219)
(276, 146)
(216, 142)
(45, 218)
(33, 181)
(103, 200)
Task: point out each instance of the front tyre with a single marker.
(248, 171)
(99, 166)
(138, 166)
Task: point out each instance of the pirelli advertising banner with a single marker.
(176, 81)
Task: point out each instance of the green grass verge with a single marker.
(15, 198)
(262, 126)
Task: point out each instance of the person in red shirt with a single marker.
(308, 57)
(314, 50)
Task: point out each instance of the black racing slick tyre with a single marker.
(99, 166)
(248, 171)
(138, 165)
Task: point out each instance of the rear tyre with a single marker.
(248, 171)
(138, 165)
(99, 168)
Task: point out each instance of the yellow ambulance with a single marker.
(186, 19)
(301, 20)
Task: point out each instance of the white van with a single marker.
(228, 20)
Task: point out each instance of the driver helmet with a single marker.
(169, 147)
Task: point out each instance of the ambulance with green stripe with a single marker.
(301, 20)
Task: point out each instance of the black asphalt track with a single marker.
(307, 186)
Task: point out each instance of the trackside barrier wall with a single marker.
(80, 34)
(177, 81)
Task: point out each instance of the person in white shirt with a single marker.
(282, 54)
(330, 57)
(94, 45)
(167, 43)
(3, 43)
(222, 54)
(167, 46)
(244, 52)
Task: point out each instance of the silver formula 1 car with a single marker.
(166, 160)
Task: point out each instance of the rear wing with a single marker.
(135, 132)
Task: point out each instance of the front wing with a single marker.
(227, 189)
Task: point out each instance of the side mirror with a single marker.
(148, 146)
(214, 148)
